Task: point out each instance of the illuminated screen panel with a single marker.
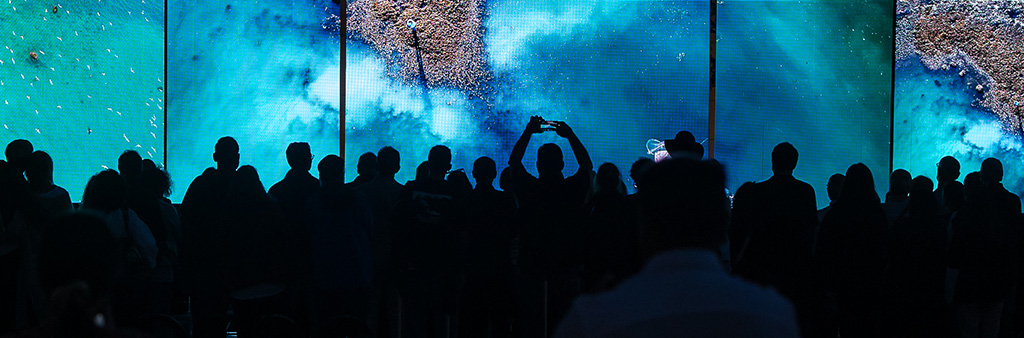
(816, 74)
(83, 81)
(958, 86)
(264, 72)
(618, 72)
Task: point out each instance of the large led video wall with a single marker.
(816, 74)
(958, 86)
(83, 81)
(469, 75)
(266, 72)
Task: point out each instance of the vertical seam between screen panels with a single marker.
(166, 88)
(712, 61)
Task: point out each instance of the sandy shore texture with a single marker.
(984, 39)
(450, 39)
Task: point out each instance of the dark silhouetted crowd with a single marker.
(543, 255)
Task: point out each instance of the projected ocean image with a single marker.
(264, 72)
(816, 74)
(958, 90)
(83, 81)
(469, 74)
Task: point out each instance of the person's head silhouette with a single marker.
(105, 192)
(226, 154)
(784, 158)
(899, 184)
(246, 182)
(550, 161)
(388, 161)
(638, 169)
(684, 206)
(921, 188)
(973, 186)
(40, 170)
(155, 179)
(859, 186)
(835, 186)
(484, 172)
(991, 171)
(367, 165)
(439, 161)
(129, 165)
(684, 145)
(460, 181)
(422, 170)
(609, 178)
(948, 169)
(17, 153)
(332, 170)
(299, 156)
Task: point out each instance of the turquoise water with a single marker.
(816, 74)
(618, 72)
(265, 72)
(97, 88)
(937, 115)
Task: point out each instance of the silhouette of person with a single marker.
(22, 219)
(146, 205)
(898, 197)
(54, 199)
(638, 169)
(779, 243)
(947, 172)
(106, 193)
(291, 194)
(259, 251)
(487, 229)
(833, 188)
(157, 184)
(851, 255)
(366, 168)
(156, 180)
(460, 182)
(917, 268)
(984, 247)
(298, 185)
(610, 253)
(683, 287)
(17, 154)
(422, 171)
(551, 217)
(382, 193)
(340, 225)
(204, 230)
(684, 146)
(424, 243)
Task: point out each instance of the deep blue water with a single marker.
(97, 88)
(937, 114)
(264, 72)
(618, 72)
(816, 74)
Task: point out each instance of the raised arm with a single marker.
(582, 156)
(515, 159)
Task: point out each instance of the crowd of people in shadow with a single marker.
(543, 256)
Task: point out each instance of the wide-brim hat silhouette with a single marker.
(684, 145)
